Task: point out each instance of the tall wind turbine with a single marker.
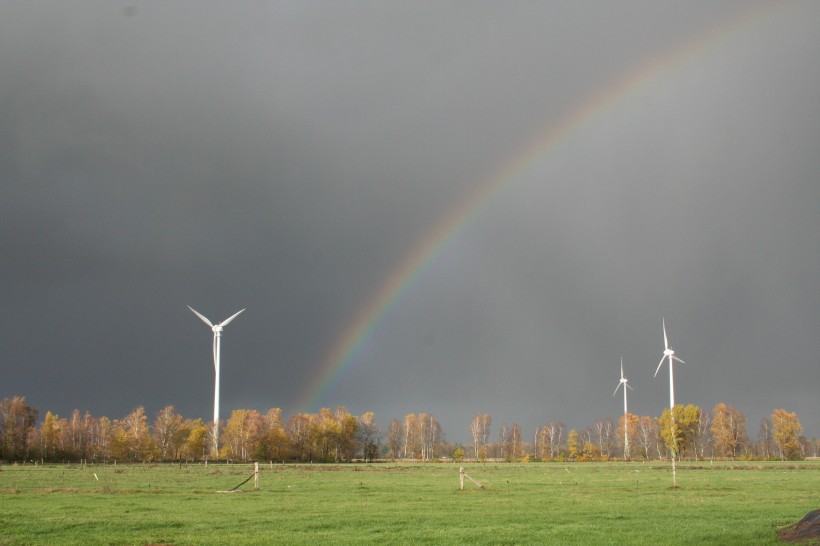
(217, 330)
(669, 354)
(625, 383)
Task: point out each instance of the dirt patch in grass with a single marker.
(805, 529)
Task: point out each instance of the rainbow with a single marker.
(346, 346)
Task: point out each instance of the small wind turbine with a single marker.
(669, 354)
(625, 383)
(217, 330)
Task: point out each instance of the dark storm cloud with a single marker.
(285, 157)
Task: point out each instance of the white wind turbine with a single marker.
(669, 354)
(217, 330)
(625, 382)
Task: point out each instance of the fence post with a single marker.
(256, 475)
(461, 477)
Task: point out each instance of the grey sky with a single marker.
(286, 157)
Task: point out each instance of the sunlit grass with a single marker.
(535, 503)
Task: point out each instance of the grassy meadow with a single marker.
(528, 503)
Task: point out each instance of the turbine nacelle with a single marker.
(624, 381)
(668, 352)
(215, 328)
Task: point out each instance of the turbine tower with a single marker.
(217, 330)
(625, 383)
(669, 354)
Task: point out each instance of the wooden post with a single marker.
(462, 475)
(256, 475)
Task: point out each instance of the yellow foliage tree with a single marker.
(686, 426)
(787, 430)
(728, 429)
(241, 434)
(196, 441)
(50, 437)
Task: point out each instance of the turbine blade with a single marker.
(678, 359)
(229, 319)
(659, 366)
(628, 387)
(200, 315)
(616, 389)
(665, 341)
(622, 367)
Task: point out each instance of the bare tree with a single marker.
(554, 431)
(475, 432)
(166, 426)
(394, 438)
(300, 428)
(604, 430)
(765, 438)
(486, 421)
(703, 436)
(430, 436)
(369, 435)
(410, 430)
(647, 434)
(503, 436)
(514, 442)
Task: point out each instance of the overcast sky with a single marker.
(286, 157)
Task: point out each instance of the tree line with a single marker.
(335, 435)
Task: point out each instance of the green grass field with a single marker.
(534, 503)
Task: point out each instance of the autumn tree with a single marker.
(589, 452)
(429, 435)
(300, 430)
(510, 442)
(118, 444)
(241, 434)
(728, 430)
(686, 424)
(16, 428)
(334, 434)
(628, 433)
(196, 442)
(345, 448)
(786, 432)
(573, 444)
(75, 432)
(166, 429)
(273, 418)
(273, 442)
(138, 440)
(410, 432)
(101, 438)
(480, 432)
(647, 434)
(50, 444)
